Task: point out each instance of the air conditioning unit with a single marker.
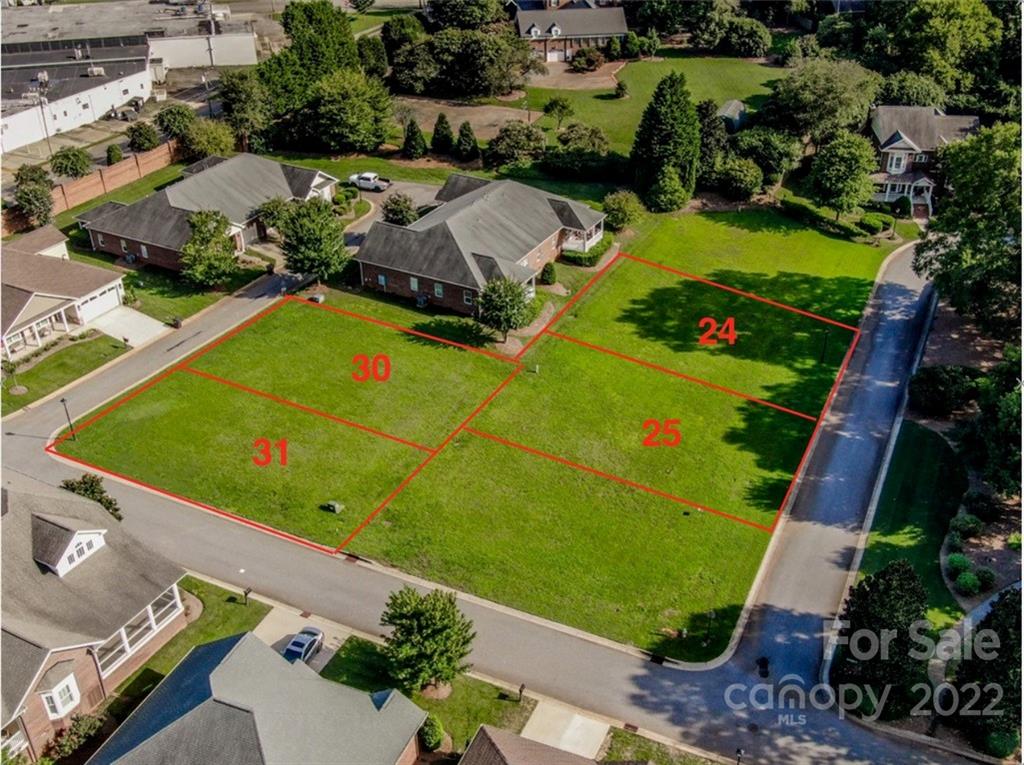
(96, 71)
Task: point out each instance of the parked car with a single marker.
(304, 646)
(369, 182)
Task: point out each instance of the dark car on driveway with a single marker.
(304, 646)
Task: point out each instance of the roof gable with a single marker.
(919, 128)
(577, 20)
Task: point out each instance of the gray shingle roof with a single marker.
(925, 127)
(494, 746)
(35, 241)
(479, 233)
(235, 187)
(54, 675)
(573, 22)
(22, 660)
(236, 701)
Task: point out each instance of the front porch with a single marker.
(139, 630)
(55, 321)
(919, 192)
(582, 241)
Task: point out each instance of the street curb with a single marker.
(510, 687)
(918, 738)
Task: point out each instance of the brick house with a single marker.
(557, 29)
(237, 701)
(154, 230)
(482, 230)
(84, 606)
(907, 139)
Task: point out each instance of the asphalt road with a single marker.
(793, 606)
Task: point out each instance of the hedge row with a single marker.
(592, 256)
(810, 215)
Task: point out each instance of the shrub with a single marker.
(984, 506)
(810, 215)
(414, 146)
(142, 136)
(966, 525)
(746, 37)
(739, 178)
(614, 50)
(775, 152)
(668, 193)
(432, 733)
(986, 578)
(590, 257)
(968, 584)
(71, 161)
(871, 223)
(621, 209)
(1013, 541)
(516, 142)
(957, 564)
(114, 154)
(399, 209)
(937, 391)
(466, 147)
(207, 138)
(621, 89)
(82, 728)
(547, 274)
(902, 207)
(955, 542)
(443, 139)
(587, 60)
(175, 120)
(1000, 743)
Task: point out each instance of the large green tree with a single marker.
(71, 161)
(314, 240)
(839, 174)
(668, 136)
(245, 102)
(442, 140)
(504, 306)
(950, 40)
(350, 112)
(400, 31)
(207, 138)
(775, 152)
(372, 56)
(142, 136)
(516, 141)
(972, 248)
(714, 140)
(465, 14)
(399, 209)
(175, 119)
(822, 97)
(707, 21)
(429, 641)
(479, 63)
(208, 257)
(35, 200)
(911, 89)
(559, 109)
(992, 441)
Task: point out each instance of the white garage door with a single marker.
(556, 55)
(98, 304)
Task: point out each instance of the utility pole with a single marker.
(74, 436)
(44, 86)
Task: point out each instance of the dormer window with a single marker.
(555, 31)
(62, 696)
(534, 32)
(62, 543)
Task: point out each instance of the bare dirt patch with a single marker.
(561, 77)
(486, 120)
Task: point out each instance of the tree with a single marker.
(582, 152)
(622, 208)
(614, 52)
(972, 248)
(666, 16)
(775, 152)
(274, 213)
(400, 31)
(911, 89)
(839, 174)
(414, 69)
(466, 148)
(504, 306)
(479, 63)
(586, 60)
(71, 161)
(888, 602)
(997, 676)
(429, 640)
(559, 109)
(245, 104)
(748, 38)
(29, 174)
(668, 136)
(114, 154)
(208, 138)
(442, 141)
(713, 141)
(372, 56)
(707, 21)
(822, 97)
(208, 257)
(314, 240)
(399, 209)
(91, 487)
(992, 441)
(36, 201)
(739, 178)
(515, 142)
(667, 193)
(631, 45)
(175, 120)
(350, 111)
(414, 146)
(142, 136)
(950, 40)
(465, 14)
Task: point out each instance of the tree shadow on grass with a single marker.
(701, 636)
(453, 328)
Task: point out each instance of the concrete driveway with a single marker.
(124, 323)
(422, 195)
(281, 624)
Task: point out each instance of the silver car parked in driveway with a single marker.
(304, 646)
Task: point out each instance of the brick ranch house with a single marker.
(85, 605)
(482, 230)
(45, 294)
(557, 29)
(237, 701)
(154, 230)
(907, 139)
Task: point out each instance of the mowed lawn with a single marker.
(732, 455)
(570, 546)
(716, 78)
(655, 316)
(194, 437)
(304, 353)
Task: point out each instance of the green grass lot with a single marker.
(318, 371)
(922, 491)
(629, 747)
(361, 22)
(598, 421)
(223, 615)
(779, 356)
(64, 366)
(716, 78)
(472, 703)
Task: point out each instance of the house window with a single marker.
(414, 284)
(143, 251)
(124, 92)
(124, 246)
(100, 240)
(467, 297)
(382, 280)
(438, 290)
(896, 162)
(62, 699)
(85, 107)
(920, 157)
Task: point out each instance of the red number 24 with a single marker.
(713, 333)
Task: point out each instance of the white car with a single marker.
(369, 182)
